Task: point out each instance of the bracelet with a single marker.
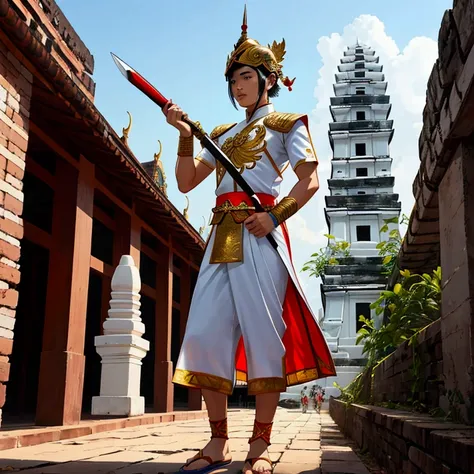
(285, 209)
(186, 146)
(274, 219)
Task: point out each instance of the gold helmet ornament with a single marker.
(250, 52)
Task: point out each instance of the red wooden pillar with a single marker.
(62, 359)
(163, 386)
(127, 237)
(194, 395)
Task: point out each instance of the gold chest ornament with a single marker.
(244, 150)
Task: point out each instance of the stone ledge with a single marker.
(406, 441)
(37, 435)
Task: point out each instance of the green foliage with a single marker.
(388, 249)
(327, 256)
(413, 304)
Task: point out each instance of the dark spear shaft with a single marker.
(142, 84)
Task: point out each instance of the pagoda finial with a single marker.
(159, 176)
(186, 209)
(126, 131)
(203, 227)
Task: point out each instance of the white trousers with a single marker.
(230, 300)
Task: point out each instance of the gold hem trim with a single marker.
(241, 376)
(201, 380)
(266, 385)
(303, 161)
(202, 160)
(302, 376)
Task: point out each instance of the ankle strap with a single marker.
(219, 429)
(261, 431)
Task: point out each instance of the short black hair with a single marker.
(262, 73)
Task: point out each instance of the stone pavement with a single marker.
(302, 443)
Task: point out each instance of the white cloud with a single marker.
(406, 72)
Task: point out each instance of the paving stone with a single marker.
(305, 444)
(298, 444)
(341, 467)
(310, 436)
(294, 468)
(300, 456)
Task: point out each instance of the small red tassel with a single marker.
(288, 83)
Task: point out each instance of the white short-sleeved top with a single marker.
(262, 149)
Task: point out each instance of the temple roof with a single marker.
(61, 103)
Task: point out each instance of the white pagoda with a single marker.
(361, 197)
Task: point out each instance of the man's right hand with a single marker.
(174, 116)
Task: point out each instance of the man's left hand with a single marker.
(259, 224)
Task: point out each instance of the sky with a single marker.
(181, 48)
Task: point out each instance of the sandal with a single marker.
(260, 431)
(251, 462)
(218, 430)
(204, 470)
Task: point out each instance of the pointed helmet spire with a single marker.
(250, 52)
(243, 35)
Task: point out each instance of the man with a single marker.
(304, 400)
(249, 319)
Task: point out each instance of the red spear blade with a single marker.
(139, 82)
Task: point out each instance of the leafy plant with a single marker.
(388, 249)
(327, 256)
(413, 304)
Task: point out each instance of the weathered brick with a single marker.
(9, 274)
(9, 298)
(9, 112)
(463, 13)
(6, 153)
(13, 205)
(4, 371)
(10, 251)
(11, 228)
(6, 346)
(14, 170)
(14, 148)
(9, 189)
(15, 182)
(18, 140)
(21, 120)
(2, 394)
(7, 312)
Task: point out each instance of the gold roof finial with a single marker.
(203, 227)
(126, 131)
(186, 209)
(159, 176)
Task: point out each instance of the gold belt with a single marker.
(228, 221)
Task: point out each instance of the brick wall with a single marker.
(15, 96)
(405, 442)
(395, 378)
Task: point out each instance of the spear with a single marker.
(151, 92)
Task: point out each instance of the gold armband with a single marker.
(186, 146)
(284, 209)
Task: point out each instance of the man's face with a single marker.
(244, 86)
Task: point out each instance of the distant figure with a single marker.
(319, 400)
(304, 400)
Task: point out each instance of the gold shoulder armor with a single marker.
(281, 122)
(221, 129)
